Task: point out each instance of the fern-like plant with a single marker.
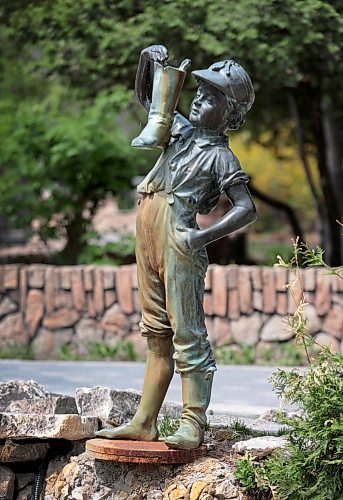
(311, 466)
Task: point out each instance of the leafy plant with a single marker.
(314, 458)
(111, 253)
(241, 428)
(310, 258)
(67, 354)
(281, 354)
(311, 466)
(229, 355)
(277, 249)
(124, 351)
(60, 157)
(168, 426)
(252, 477)
(16, 351)
(292, 49)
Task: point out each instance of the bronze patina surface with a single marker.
(141, 452)
(196, 166)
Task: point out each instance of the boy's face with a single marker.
(208, 108)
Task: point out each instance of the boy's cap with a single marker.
(231, 79)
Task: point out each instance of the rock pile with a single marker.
(34, 425)
(206, 478)
(42, 447)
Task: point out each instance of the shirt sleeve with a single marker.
(228, 170)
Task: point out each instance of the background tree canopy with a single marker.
(292, 49)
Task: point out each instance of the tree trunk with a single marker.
(301, 142)
(327, 151)
(333, 156)
(279, 205)
(75, 229)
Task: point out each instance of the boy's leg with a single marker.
(193, 354)
(159, 370)
(196, 394)
(184, 282)
(156, 327)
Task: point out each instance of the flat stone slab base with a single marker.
(156, 452)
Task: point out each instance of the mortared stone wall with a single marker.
(47, 307)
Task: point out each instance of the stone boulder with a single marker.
(324, 339)
(276, 329)
(260, 446)
(12, 451)
(14, 390)
(6, 483)
(171, 410)
(25, 486)
(115, 406)
(12, 330)
(313, 321)
(7, 306)
(221, 423)
(51, 405)
(70, 427)
(274, 414)
(246, 329)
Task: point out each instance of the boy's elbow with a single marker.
(252, 213)
(249, 211)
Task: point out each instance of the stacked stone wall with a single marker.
(47, 307)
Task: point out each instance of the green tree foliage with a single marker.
(292, 48)
(60, 157)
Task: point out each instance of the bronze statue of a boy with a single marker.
(195, 167)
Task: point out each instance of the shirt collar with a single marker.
(202, 137)
(207, 137)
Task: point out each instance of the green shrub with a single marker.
(252, 478)
(311, 466)
(281, 354)
(66, 353)
(122, 350)
(98, 351)
(16, 351)
(110, 253)
(235, 355)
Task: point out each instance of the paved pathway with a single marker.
(237, 390)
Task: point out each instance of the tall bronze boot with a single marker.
(167, 86)
(159, 371)
(196, 393)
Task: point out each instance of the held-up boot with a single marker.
(167, 86)
(196, 393)
(159, 371)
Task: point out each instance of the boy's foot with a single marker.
(187, 437)
(131, 431)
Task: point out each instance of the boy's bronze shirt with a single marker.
(196, 167)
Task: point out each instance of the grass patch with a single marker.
(17, 351)
(168, 426)
(99, 351)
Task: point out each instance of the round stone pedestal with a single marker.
(156, 452)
